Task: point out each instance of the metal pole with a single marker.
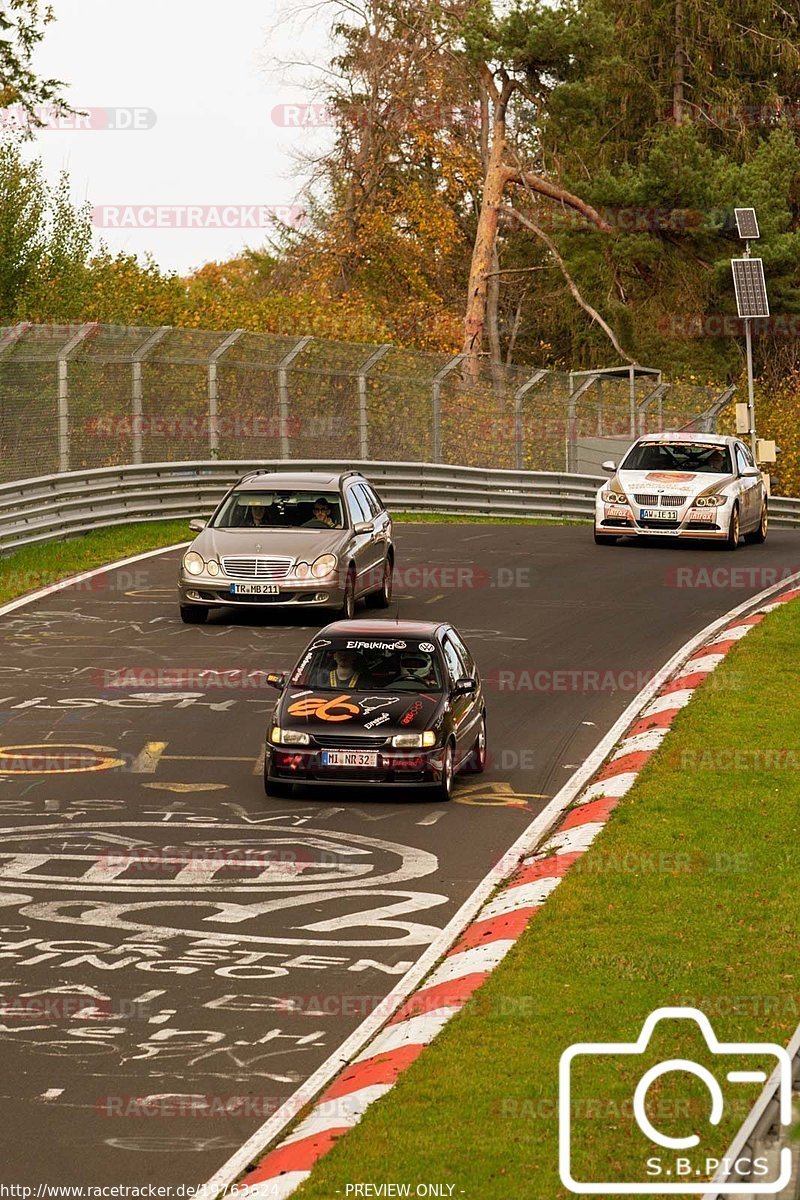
(363, 415)
(213, 394)
(751, 406)
(283, 392)
(63, 393)
(519, 395)
(632, 400)
(436, 397)
(599, 387)
(137, 414)
(571, 437)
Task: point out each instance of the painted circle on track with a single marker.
(57, 758)
(186, 859)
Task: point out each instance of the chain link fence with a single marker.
(74, 397)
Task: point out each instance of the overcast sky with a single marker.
(209, 157)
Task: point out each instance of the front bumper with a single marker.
(395, 768)
(215, 590)
(617, 520)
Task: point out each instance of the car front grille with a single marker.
(648, 500)
(343, 741)
(253, 567)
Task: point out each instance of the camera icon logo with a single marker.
(670, 1174)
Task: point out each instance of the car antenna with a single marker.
(397, 614)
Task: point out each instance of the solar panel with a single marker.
(751, 287)
(747, 223)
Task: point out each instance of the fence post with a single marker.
(519, 394)
(436, 397)
(283, 392)
(63, 392)
(213, 394)
(137, 415)
(363, 371)
(657, 393)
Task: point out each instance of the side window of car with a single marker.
(463, 654)
(364, 500)
(455, 668)
(751, 462)
(354, 507)
(374, 503)
(375, 499)
(741, 461)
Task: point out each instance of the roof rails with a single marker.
(251, 474)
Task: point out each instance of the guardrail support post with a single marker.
(64, 356)
(519, 395)
(213, 393)
(283, 392)
(363, 427)
(137, 414)
(436, 397)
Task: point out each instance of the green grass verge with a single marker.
(689, 896)
(38, 566)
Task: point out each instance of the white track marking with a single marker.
(668, 702)
(528, 895)
(416, 1031)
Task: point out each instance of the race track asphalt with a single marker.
(144, 955)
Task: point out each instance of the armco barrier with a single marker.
(56, 506)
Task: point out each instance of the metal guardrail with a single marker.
(55, 506)
(762, 1137)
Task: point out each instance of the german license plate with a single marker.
(254, 589)
(658, 514)
(348, 758)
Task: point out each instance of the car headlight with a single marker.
(302, 570)
(614, 498)
(193, 563)
(212, 566)
(324, 565)
(414, 741)
(709, 501)
(288, 737)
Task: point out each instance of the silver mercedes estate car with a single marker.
(290, 539)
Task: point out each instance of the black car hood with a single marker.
(353, 712)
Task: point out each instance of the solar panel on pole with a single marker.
(747, 223)
(751, 287)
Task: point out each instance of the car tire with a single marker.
(477, 759)
(759, 535)
(445, 788)
(604, 539)
(383, 597)
(348, 606)
(732, 540)
(194, 614)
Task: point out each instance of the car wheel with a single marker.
(348, 608)
(194, 614)
(732, 540)
(383, 597)
(477, 759)
(759, 535)
(448, 770)
(604, 539)
(276, 787)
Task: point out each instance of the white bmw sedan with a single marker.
(685, 485)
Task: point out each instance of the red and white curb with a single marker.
(497, 923)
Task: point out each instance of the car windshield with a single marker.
(694, 457)
(374, 664)
(280, 510)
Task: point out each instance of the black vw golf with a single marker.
(398, 704)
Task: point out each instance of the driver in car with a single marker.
(414, 664)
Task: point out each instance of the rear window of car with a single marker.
(696, 457)
(370, 664)
(279, 510)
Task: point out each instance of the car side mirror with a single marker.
(197, 526)
(465, 687)
(277, 679)
(609, 465)
(362, 527)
